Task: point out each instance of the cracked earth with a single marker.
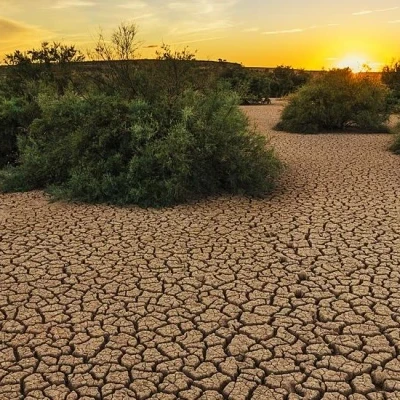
(296, 296)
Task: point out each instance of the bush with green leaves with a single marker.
(51, 63)
(337, 100)
(391, 77)
(285, 80)
(395, 147)
(16, 114)
(103, 148)
(253, 85)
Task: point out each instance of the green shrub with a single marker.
(337, 100)
(286, 80)
(51, 63)
(396, 145)
(16, 114)
(106, 149)
(253, 85)
(45, 153)
(391, 77)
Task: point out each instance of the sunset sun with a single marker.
(355, 62)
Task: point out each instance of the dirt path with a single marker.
(292, 297)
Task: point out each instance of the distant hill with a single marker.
(97, 65)
(202, 64)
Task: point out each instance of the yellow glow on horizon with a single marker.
(356, 62)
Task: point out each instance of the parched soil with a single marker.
(296, 296)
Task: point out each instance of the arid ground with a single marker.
(296, 296)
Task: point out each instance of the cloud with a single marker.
(396, 21)
(73, 3)
(137, 5)
(194, 27)
(387, 9)
(196, 7)
(195, 16)
(251, 30)
(11, 30)
(297, 30)
(201, 7)
(16, 35)
(199, 40)
(151, 46)
(143, 16)
(134, 11)
(365, 12)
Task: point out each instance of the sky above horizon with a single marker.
(310, 34)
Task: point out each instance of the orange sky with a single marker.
(310, 34)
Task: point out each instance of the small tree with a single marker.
(260, 86)
(122, 46)
(395, 147)
(120, 74)
(396, 144)
(286, 80)
(47, 54)
(251, 86)
(238, 79)
(391, 77)
(48, 63)
(175, 69)
(337, 100)
(16, 115)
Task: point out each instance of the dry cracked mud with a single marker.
(295, 296)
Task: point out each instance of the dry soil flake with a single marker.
(295, 296)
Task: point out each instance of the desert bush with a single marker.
(396, 145)
(118, 74)
(174, 72)
(16, 114)
(51, 63)
(285, 80)
(237, 78)
(337, 100)
(391, 77)
(259, 86)
(101, 148)
(253, 85)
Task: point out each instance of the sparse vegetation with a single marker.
(337, 100)
(285, 80)
(395, 147)
(50, 63)
(168, 76)
(25, 74)
(127, 135)
(118, 74)
(152, 138)
(391, 78)
(16, 114)
(254, 85)
(106, 149)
